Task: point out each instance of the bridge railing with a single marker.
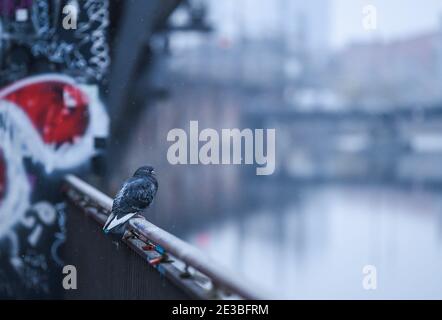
(185, 265)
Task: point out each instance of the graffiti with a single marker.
(82, 52)
(60, 236)
(47, 123)
(27, 252)
(84, 48)
(97, 12)
(41, 19)
(57, 120)
(15, 196)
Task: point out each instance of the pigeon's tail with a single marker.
(115, 223)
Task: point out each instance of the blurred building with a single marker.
(401, 73)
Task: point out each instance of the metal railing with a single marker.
(185, 265)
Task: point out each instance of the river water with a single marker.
(316, 244)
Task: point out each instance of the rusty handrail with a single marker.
(189, 255)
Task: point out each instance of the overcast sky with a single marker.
(342, 19)
(396, 18)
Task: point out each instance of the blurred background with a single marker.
(353, 89)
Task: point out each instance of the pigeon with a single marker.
(136, 194)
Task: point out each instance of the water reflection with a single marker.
(316, 245)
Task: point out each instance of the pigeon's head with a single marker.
(144, 171)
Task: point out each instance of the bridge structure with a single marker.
(364, 145)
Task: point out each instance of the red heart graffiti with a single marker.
(58, 110)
